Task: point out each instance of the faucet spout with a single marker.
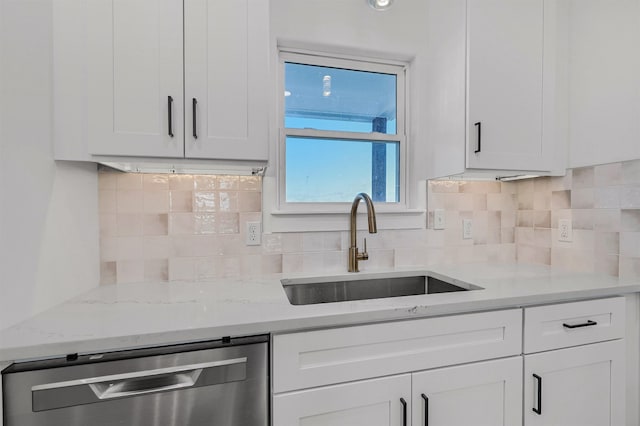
(354, 256)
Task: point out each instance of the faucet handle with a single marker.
(365, 246)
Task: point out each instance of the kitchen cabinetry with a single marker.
(461, 369)
(166, 79)
(491, 87)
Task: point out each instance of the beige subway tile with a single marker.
(250, 201)
(583, 219)
(525, 218)
(582, 198)
(205, 223)
(525, 186)
(574, 260)
(508, 219)
(156, 224)
(583, 177)
(630, 244)
(228, 201)
(607, 264)
(250, 183)
(525, 236)
(128, 181)
(542, 238)
(228, 223)
(630, 220)
(107, 201)
(533, 254)
(231, 266)
(181, 182)
(630, 197)
(156, 201)
(509, 188)
(607, 242)
(107, 180)
(129, 225)
(443, 186)
(208, 268)
(507, 235)
(205, 182)
(156, 270)
(228, 183)
(542, 184)
(129, 271)
(130, 201)
(336, 262)
(292, 243)
(181, 224)
(205, 201)
(606, 219)
(631, 172)
(561, 183)
(108, 225)
(195, 245)
(479, 201)
(607, 197)
(480, 187)
(542, 219)
(561, 200)
(108, 249)
(182, 269)
(129, 248)
(542, 200)
(108, 273)
(557, 215)
(406, 257)
(156, 247)
(525, 200)
(630, 267)
(292, 263)
(180, 201)
(608, 174)
(250, 265)
(271, 264)
(155, 182)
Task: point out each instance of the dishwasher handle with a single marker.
(68, 393)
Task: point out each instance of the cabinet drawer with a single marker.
(316, 358)
(572, 324)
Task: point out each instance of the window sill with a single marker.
(310, 221)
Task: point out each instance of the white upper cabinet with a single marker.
(134, 78)
(140, 69)
(492, 96)
(504, 89)
(226, 79)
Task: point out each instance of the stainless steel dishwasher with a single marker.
(221, 383)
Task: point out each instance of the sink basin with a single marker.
(311, 291)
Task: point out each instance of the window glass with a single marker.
(335, 99)
(335, 170)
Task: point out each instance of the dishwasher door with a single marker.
(212, 384)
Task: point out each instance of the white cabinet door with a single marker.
(135, 78)
(374, 402)
(504, 93)
(479, 394)
(226, 79)
(581, 386)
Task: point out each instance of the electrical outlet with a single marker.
(466, 229)
(565, 231)
(253, 234)
(438, 219)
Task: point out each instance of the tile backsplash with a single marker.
(167, 227)
(181, 227)
(603, 204)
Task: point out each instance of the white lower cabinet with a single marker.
(479, 394)
(377, 402)
(581, 386)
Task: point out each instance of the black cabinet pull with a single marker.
(538, 411)
(479, 126)
(426, 409)
(589, 323)
(404, 411)
(169, 110)
(194, 104)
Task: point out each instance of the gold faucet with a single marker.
(354, 256)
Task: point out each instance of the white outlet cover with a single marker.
(565, 230)
(439, 221)
(466, 229)
(253, 233)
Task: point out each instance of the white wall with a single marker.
(48, 211)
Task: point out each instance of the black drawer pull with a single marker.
(589, 323)
(538, 411)
(404, 411)
(169, 113)
(194, 104)
(426, 409)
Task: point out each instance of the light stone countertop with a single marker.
(129, 316)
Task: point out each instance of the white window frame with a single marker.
(358, 64)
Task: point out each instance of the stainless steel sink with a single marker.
(309, 291)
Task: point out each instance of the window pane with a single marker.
(333, 170)
(324, 98)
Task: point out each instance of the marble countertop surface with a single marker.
(125, 316)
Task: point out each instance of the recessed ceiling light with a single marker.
(380, 4)
(287, 93)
